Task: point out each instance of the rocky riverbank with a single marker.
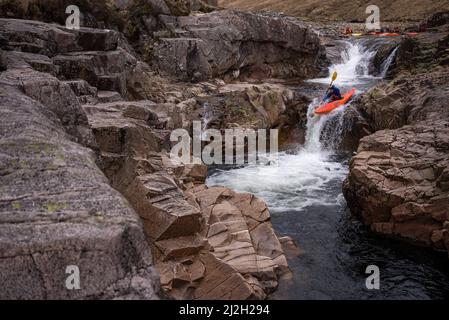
(86, 177)
(87, 114)
(398, 181)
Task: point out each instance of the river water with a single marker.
(304, 194)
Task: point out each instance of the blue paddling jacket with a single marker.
(333, 91)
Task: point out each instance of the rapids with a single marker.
(303, 191)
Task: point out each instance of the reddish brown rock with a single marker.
(199, 236)
(395, 178)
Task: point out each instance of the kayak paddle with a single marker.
(334, 77)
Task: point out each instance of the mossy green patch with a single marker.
(16, 205)
(99, 216)
(52, 207)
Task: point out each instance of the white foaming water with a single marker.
(354, 68)
(323, 133)
(305, 177)
(207, 116)
(297, 180)
(386, 65)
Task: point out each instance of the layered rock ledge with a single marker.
(230, 44)
(86, 178)
(207, 243)
(57, 208)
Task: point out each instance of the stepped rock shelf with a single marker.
(86, 179)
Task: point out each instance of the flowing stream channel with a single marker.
(304, 194)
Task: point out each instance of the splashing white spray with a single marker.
(207, 116)
(354, 68)
(320, 136)
(387, 64)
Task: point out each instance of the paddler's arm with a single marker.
(326, 96)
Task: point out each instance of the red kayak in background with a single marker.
(389, 34)
(385, 34)
(335, 104)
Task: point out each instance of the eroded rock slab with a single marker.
(399, 183)
(254, 45)
(57, 210)
(199, 236)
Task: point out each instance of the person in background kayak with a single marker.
(333, 94)
(348, 31)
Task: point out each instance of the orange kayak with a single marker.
(335, 104)
(390, 34)
(385, 34)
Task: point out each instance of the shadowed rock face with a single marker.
(50, 39)
(93, 13)
(89, 54)
(253, 45)
(398, 181)
(406, 100)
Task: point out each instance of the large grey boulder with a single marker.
(50, 39)
(257, 45)
(58, 210)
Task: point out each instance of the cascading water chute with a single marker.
(388, 62)
(354, 68)
(323, 133)
(300, 179)
(207, 116)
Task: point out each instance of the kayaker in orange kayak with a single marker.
(333, 94)
(333, 98)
